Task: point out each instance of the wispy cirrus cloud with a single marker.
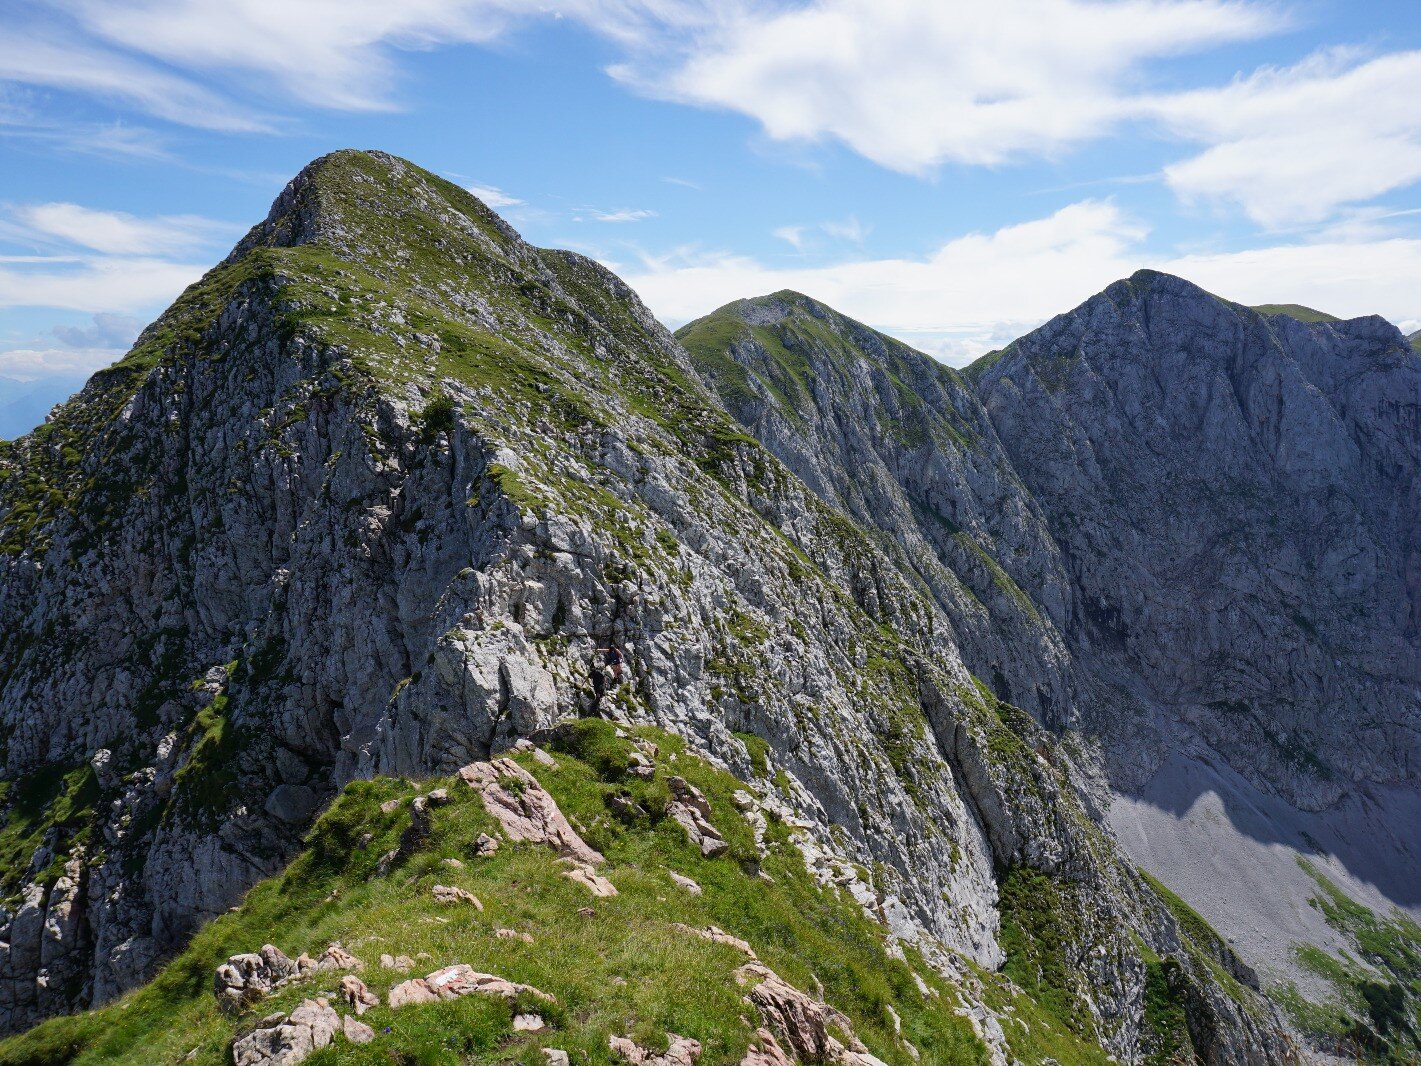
(117, 232)
(494, 197)
(623, 214)
(101, 283)
(913, 84)
(57, 61)
(108, 265)
(68, 256)
(800, 237)
(791, 235)
(345, 54)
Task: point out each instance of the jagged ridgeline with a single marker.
(1184, 531)
(362, 509)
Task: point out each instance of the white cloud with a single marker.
(494, 197)
(1292, 145)
(80, 349)
(338, 53)
(971, 290)
(26, 364)
(108, 263)
(35, 60)
(792, 235)
(1344, 278)
(119, 233)
(108, 331)
(977, 292)
(102, 283)
(847, 229)
(620, 215)
(911, 84)
(325, 52)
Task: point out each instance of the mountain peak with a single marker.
(350, 197)
(767, 310)
(1205, 324)
(1297, 311)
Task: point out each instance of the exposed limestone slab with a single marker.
(717, 935)
(525, 810)
(764, 1050)
(682, 1051)
(692, 811)
(284, 1040)
(451, 894)
(451, 982)
(803, 1021)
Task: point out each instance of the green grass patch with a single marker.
(1039, 928)
(1298, 311)
(623, 970)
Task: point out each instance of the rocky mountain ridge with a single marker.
(1213, 581)
(369, 498)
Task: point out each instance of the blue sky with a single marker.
(950, 172)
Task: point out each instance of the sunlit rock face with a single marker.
(1183, 531)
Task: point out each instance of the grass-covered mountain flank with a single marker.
(630, 965)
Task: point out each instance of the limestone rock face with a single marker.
(371, 497)
(901, 444)
(1235, 499)
(1182, 534)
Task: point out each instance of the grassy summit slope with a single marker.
(1298, 311)
(774, 348)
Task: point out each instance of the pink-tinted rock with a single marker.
(525, 810)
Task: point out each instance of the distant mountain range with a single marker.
(24, 404)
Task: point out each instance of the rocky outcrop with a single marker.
(716, 935)
(681, 1051)
(692, 812)
(804, 1022)
(244, 980)
(452, 894)
(765, 1050)
(588, 877)
(525, 810)
(451, 982)
(354, 992)
(284, 1040)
